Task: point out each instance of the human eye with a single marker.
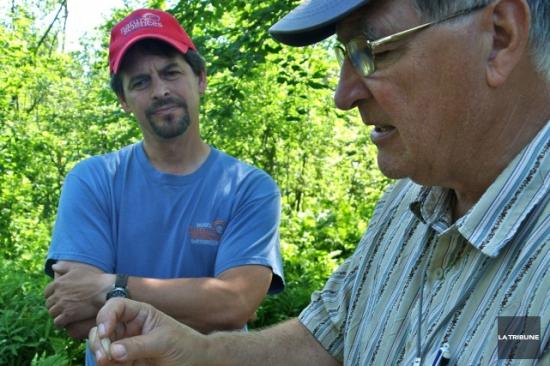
(172, 73)
(389, 50)
(386, 53)
(138, 83)
(383, 55)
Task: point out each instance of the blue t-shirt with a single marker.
(121, 215)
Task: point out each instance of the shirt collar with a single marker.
(432, 207)
(494, 220)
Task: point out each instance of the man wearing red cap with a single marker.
(454, 268)
(170, 220)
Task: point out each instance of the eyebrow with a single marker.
(369, 32)
(169, 66)
(366, 30)
(142, 75)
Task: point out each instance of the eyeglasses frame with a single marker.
(342, 49)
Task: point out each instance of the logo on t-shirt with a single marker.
(208, 233)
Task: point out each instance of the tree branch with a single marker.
(63, 5)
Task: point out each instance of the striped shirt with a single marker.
(492, 262)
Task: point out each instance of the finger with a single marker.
(50, 301)
(60, 268)
(49, 290)
(99, 347)
(94, 344)
(60, 321)
(63, 317)
(92, 337)
(55, 311)
(136, 348)
(117, 310)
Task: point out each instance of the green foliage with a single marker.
(26, 331)
(306, 269)
(267, 104)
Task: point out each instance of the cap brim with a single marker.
(312, 21)
(179, 46)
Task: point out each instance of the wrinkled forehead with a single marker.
(378, 19)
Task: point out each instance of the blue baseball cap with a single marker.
(312, 21)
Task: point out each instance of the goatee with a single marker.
(168, 127)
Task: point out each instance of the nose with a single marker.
(159, 88)
(351, 88)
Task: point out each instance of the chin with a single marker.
(394, 175)
(392, 169)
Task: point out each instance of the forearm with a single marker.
(289, 343)
(145, 333)
(206, 304)
(190, 301)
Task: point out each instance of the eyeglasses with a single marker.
(361, 51)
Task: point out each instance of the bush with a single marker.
(27, 334)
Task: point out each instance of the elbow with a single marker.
(238, 319)
(234, 316)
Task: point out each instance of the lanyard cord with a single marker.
(418, 360)
(420, 353)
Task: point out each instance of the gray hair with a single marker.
(539, 37)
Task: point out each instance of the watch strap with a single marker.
(121, 280)
(119, 288)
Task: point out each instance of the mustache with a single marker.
(171, 101)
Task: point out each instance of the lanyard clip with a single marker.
(443, 356)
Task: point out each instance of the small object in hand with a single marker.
(106, 344)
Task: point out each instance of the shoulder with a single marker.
(244, 174)
(103, 166)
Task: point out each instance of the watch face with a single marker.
(117, 292)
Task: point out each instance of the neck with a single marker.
(519, 117)
(180, 156)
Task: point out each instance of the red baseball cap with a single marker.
(146, 23)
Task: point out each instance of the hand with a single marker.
(79, 330)
(75, 295)
(143, 335)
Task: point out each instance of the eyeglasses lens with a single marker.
(361, 57)
(340, 54)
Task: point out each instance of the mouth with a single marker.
(164, 109)
(382, 133)
(383, 128)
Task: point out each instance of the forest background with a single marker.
(267, 104)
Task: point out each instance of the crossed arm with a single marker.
(141, 332)
(228, 301)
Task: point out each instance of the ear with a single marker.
(123, 103)
(511, 20)
(203, 82)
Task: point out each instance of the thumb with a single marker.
(135, 348)
(60, 268)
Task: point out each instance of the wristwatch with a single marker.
(119, 288)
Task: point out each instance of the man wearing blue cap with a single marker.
(169, 220)
(457, 251)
